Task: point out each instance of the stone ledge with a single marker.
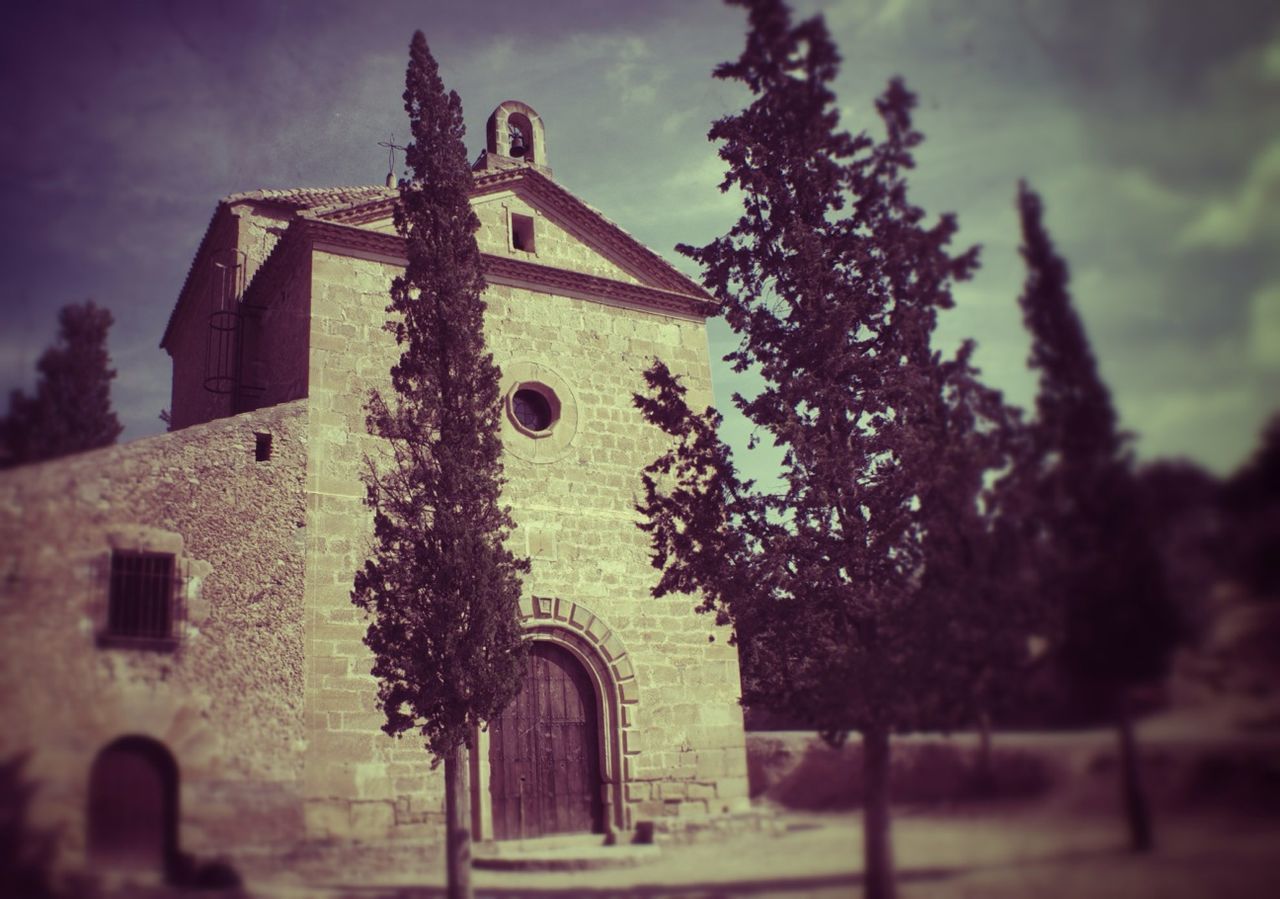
(575, 852)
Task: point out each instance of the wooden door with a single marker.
(133, 805)
(544, 764)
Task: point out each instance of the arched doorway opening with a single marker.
(544, 751)
(133, 806)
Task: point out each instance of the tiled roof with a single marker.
(313, 197)
(295, 198)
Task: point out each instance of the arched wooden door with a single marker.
(544, 755)
(133, 805)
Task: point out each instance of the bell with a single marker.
(515, 141)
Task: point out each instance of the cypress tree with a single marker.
(441, 588)
(846, 588)
(1097, 560)
(70, 411)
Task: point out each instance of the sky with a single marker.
(1151, 129)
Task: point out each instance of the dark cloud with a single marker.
(1171, 47)
(1141, 122)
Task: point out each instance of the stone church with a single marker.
(182, 665)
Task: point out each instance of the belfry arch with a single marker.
(574, 630)
(514, 131)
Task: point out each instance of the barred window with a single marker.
(140, 600)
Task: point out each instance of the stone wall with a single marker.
(246, 233)
(359, 783)
(683, 751)
(674, 740)
(277, 330)
(556, 243)
(227, 701)
(188, 339)
(681, 740)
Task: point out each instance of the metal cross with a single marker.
(392, 146)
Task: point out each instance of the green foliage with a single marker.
(1096, 557)
(70, 411)
(1180, 502)
(865, 594)
(442, 588)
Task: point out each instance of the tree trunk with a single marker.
(1135, 799)
(457, 819)
(878, 850)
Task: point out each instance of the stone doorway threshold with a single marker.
(573, 852)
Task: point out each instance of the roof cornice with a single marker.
(348, 207)
(350, 240)
(552, 197)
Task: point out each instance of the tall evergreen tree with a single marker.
(846, 587)
(1097, 559)
(70, 410)
(441, 587)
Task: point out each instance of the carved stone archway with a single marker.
(575, 628)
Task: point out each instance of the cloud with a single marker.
(1140, 188)
(1207, 403)
(1139, 120)
(635, 77)
(1271, 61)
(497, 55)
(1264, 327)
(1250, 216)
(677, 120)
(1216, 427)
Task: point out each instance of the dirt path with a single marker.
(983, 854)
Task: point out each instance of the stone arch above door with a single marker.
(601, 652)
(542, 612)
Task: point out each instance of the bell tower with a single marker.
(514, 137)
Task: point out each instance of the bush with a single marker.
(924, 772)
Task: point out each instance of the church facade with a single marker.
(182, 664)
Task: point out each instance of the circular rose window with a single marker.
(539, 412)
(531, 409)
(534, 408)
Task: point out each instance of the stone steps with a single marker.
(573, 852)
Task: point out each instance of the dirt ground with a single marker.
(992, 853)
(1217, 826)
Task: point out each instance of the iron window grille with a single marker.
(143, 594)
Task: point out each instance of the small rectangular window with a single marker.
(262, 447)
(522, 233)
(140, 600)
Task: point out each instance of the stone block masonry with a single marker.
(226, 700)
(680, 728)
(257, 706)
